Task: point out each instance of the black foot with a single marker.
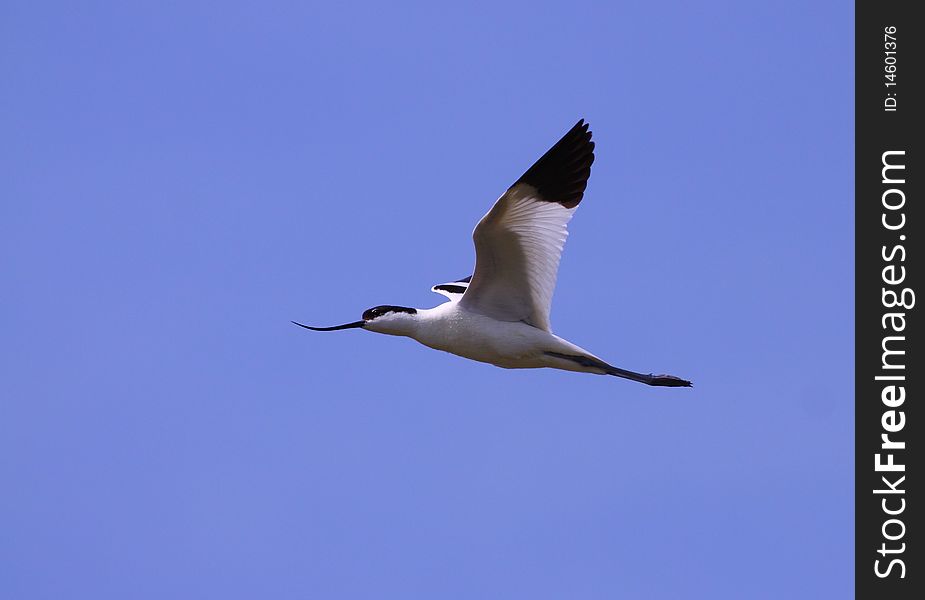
(668, 381)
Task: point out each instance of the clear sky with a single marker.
(179, 180)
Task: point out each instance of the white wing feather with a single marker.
(519, 242)
(453, 290)
(518, 245)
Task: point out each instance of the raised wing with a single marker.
(519, 242)
(454, 290)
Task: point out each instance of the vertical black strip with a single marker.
(889, 372)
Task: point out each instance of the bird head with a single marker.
(391, 320)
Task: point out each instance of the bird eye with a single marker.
(373, 313)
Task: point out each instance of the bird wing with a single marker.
(519, 242)
(453, 290)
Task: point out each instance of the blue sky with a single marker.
(179, 180)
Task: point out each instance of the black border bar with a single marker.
(889, 368)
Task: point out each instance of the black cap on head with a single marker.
(378, 311)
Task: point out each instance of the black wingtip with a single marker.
(450, 288)
(561, 175)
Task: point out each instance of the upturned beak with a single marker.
(335, 328)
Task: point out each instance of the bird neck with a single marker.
(403, 324)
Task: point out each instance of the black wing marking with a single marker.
(561, 175)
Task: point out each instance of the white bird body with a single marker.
(508, 344)
(500, 315)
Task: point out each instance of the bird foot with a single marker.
(669, 381)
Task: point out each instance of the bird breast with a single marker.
(453, 329)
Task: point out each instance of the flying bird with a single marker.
(500, 314)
